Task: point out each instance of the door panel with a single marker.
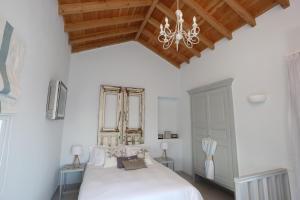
(220, 135)
(111, 111)
(223, 166)
(133, 126)
(218, 130)
(199, 158)
(197, 145)
(110, 116)
(199, 130)
(216, 107)
(133, 111)
(199, 110)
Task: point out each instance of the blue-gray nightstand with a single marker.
(168, 162)
(67, 169)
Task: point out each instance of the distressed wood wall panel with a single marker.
(122, 132)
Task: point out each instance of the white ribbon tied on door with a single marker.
(209, 147)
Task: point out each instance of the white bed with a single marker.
(153, 183)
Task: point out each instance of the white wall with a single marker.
(168, 113)
(255, 58)
(128, 64)
(35, 143)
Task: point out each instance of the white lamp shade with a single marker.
(77, 150)
(164, 145)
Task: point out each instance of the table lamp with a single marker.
(77, 150)
(164, 147)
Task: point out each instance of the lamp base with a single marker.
(164, 155)
(76, 162)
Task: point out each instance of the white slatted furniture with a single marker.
(270, 185)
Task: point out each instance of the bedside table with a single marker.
(168, 162)
(64, 171)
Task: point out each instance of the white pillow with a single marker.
(110, 162)
(111, 154)
(91, 155)
(141, 152)
(148, 159)
(132, 150)
(97, 156)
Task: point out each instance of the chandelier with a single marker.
(167, 36)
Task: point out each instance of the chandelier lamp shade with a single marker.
(168, 37)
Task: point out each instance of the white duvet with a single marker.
(153, 183)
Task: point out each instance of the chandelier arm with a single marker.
(169, 36)
(161, 38)
(195, 40)
(191, 38)
(169, 43)
(195, 31)
(167, 40)
(190, 41)
(168, 31)
(187, 42)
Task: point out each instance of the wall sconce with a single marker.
(257, 98)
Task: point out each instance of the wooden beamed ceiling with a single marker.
(97, 23)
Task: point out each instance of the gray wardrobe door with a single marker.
(212, 116)
(200, 130)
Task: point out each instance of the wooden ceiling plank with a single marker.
(241, 11)
(156, 51)
(156, 24)
(87, 34)
(80, 48)
(284, 3)
(207, 17)
(148, 15)
(85, 7)
(103, 35)
(168, 12)
(172, 50)
(194, 51)
(70, 27)
(212, 9)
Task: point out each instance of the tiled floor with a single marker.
(208, 192)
